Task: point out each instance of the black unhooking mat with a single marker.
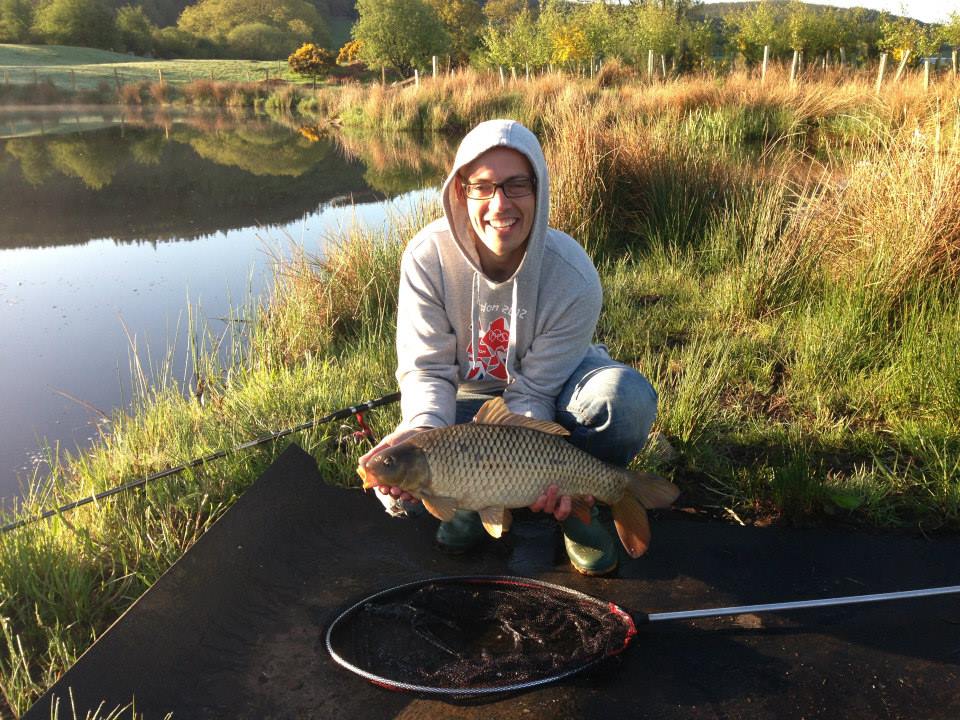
(235, 628)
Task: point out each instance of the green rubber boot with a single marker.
(461, 534)
(590, 548)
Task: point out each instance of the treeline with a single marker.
(676, 33)
(406, 34)
(206, 29)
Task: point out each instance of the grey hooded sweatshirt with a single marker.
(457, 328)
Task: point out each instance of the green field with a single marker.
(85, 68)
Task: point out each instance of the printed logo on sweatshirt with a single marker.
(491, 357)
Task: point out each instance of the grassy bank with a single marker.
(86, 68)
(782, 261)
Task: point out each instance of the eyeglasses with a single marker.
(515, 187)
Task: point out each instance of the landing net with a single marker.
(467, 636)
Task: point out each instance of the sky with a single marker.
(925, 10)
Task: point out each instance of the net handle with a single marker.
(641, 617)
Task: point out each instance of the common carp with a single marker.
(501, 461)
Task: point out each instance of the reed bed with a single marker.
(782, 261)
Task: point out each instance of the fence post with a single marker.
(926, 75)
(416, 77)
(794, 66)
(649, 64)
(663, 65)
(903, 64)
(116, 79)
(527, 65)
(766, 60)
(883, 66)
(513, 73)
(383, 75)
(843, 58)
(434, 67)
(502, 79)
(954, 58)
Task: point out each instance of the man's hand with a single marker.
(395, 438)
(560, 506)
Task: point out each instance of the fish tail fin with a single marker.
(652, 490)
(644, 490)
(630, 519)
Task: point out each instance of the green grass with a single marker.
(799, 320)
(86, 68)
(43, 55)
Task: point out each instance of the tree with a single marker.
(296, 20)
(756, 27)
(951, 30)
(594, 20)
(502, 13)
(311, 61)
(399, 33)
(134, 30)
(16, 17)
(901, 35)
(801, 26)
(570, 44)
(259, 41)
(88, 23)
(702, 39)
(516, 45)
(170, 42)
(655, 27)
(463, 20)
(349, 53)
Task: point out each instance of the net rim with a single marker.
(482, 690)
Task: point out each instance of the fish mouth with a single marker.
(369, 481)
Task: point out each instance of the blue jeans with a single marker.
(607, 406)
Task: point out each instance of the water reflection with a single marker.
(156, 179)
(134, 216)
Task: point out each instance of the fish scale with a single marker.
(499, 465)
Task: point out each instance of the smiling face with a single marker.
(501, 225)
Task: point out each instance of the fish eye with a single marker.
(388, 460)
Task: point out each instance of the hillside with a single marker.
(166, 12)
(50, 55)
(721, 10)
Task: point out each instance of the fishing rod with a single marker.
(356, 410)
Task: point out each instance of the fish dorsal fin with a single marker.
(442, 508)
(496, 412)
(496, 520)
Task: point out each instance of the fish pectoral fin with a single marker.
(496, 412)
(630, 519)
(496, 520)
(442, 508)
(581, 510)
(652, 490)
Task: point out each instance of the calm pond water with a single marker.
(112, 225)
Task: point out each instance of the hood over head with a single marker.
(486, 136)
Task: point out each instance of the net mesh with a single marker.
(467, 633)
